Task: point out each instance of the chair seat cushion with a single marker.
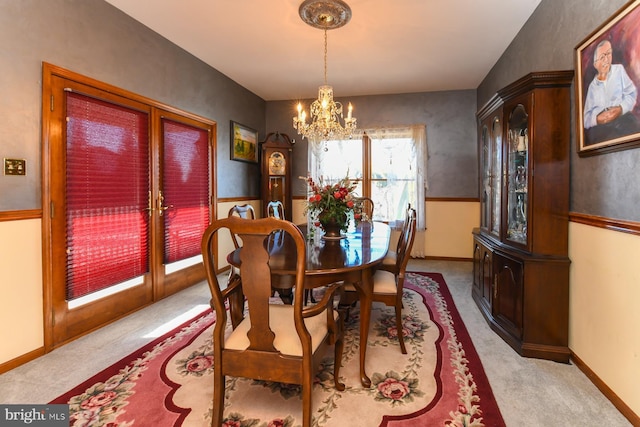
(384, 282)
(282, 324)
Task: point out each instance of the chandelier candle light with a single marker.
(325, 112)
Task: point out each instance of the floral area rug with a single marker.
(440, 382)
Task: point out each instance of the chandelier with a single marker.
(326, 114)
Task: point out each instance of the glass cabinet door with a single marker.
(496, 175)
(517, 175)
(485, 184)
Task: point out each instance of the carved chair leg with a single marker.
(307, 388)
(399, 328)
(218, 400)
(348, 300)
(308, 295)
(338, 349)
(284, 286)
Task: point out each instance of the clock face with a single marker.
(277, 163)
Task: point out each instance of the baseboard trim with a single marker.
(21, 360)
(445, 258)
(633, 418)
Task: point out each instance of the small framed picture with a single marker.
(244, 143)
(607, 83)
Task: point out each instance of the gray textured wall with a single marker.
(606, 185)
(93, 38)
(449, 117)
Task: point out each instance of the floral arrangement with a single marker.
(333, 203)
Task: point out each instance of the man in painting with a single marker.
(610, 99)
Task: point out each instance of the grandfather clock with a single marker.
(276, 171)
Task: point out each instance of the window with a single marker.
(389, 164)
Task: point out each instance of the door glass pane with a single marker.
(517, 175)
(185, 182)
(107, 191)
(485, 185)
(496, 175)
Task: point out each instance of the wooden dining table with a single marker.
(351, 259)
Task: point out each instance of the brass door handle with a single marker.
(161, 208)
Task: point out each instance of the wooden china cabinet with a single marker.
(520, 256)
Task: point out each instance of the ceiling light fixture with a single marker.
(326, 114)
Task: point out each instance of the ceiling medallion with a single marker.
(325, 14)
(326, 114)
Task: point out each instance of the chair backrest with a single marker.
(245, 211)
(403, 231)
(275, 209)
(367, 207)
(255, 275)
(406, 244)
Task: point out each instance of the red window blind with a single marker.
(186, 189)
(107, 190)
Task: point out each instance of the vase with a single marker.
(332, 230)
(332, 224)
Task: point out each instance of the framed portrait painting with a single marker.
(607, 83)
(244, 143)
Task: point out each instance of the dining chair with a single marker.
(388, 286)
(367, 207)
(282, 283)
(273, 341)
(389, 262)
(275, 208)
(245, 211)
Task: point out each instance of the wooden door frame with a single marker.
(166, 285)
(52, 133)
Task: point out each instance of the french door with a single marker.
(183, 205)
(127, 193)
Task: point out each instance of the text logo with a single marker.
(34, 415)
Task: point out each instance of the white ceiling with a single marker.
(390, 46)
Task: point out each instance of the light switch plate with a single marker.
(15, 167)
